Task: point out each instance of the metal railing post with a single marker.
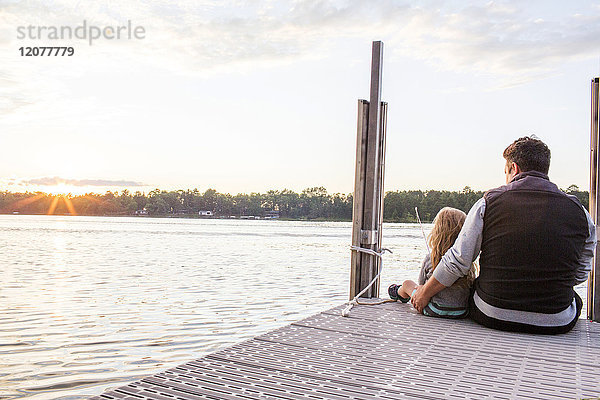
(593, 295)
(367, 212)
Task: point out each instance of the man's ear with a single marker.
(516, 168)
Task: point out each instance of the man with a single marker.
(536, 243)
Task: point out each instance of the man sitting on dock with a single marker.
(536, 243)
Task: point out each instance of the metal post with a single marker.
(382, 144)
(368, 188)
(359, 195)
(593, 298)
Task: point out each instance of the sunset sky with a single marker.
(247, 96)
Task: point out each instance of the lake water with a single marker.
(88, 303)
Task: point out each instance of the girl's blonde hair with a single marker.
(446, 227)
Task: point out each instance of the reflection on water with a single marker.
(89, 303)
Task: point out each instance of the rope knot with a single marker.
(377, 253)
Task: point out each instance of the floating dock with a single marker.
(386, 352)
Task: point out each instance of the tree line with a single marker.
(311, 203)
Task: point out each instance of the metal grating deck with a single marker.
(386, 352)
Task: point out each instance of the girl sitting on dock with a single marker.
(452, 302)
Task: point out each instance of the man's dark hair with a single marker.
(529, 153)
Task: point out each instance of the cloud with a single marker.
(501, 37)
(55, 180)
(507, 40)
(498, 38)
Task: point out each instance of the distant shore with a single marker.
(190, 216)
(312, 204)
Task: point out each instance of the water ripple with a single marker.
(89, 303)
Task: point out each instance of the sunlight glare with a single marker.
(63, 189)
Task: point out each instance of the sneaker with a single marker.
(393, 292)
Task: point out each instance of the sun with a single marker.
(55, 201)
(63, 189)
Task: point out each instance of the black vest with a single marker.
(533, 236)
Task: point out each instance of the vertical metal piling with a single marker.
(359, 194)
(367, 210)
(593, 297)
(382, 144)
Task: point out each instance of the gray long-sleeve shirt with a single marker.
(456, 295)
(457, 262)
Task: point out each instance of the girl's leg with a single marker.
(407, 288)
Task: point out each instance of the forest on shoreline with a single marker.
(310, 204)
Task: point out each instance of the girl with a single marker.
(453, 301)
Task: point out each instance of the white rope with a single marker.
(354, 301)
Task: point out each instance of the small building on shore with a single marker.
(273, 214)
